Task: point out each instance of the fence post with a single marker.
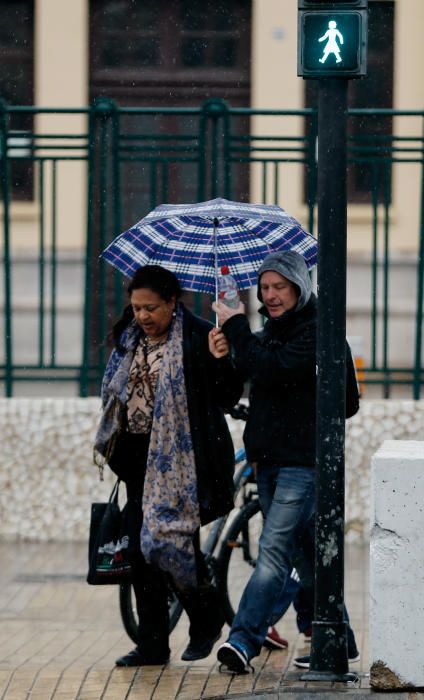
(96, 297)
(213, 110)
(311, 168)
(4, 178)
(88, 257)
(420, 291)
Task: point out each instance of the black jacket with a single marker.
(280, 362)
(212, 386)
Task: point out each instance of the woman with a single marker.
(163, 431)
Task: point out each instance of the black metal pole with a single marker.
(329, 646)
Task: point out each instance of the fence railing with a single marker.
(71, 179)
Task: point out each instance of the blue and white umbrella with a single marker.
(195, 240)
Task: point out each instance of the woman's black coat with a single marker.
(212, 386)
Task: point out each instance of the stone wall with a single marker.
(48, 480)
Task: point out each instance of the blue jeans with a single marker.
(287, 497)
(302, 601)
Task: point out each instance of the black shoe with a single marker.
(199, 648)
(136, 658)
(303, 661)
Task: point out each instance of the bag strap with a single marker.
(113, 498)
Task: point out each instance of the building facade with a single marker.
(179, 53)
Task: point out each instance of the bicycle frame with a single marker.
(242, 476)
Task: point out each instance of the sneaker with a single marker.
(274, 641)
(308, 634)
(303, 661)
(234, 657)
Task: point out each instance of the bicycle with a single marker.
(230, 546)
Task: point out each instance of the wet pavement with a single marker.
(59, 638)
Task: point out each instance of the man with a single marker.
(280, 362)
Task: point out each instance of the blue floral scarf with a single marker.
(170, 503)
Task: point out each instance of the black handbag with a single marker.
(108, 543)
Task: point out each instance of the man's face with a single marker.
(278, 293)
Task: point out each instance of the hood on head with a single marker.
(292, 266)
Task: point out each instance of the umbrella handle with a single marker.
(215, 252)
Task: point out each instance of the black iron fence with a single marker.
(74, 178)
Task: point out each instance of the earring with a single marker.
(174, 313)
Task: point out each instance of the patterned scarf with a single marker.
(170, 503)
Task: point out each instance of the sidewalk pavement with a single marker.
(59, 638)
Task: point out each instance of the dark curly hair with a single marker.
(154, 277)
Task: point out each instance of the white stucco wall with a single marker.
(397, 566)
(48, 481)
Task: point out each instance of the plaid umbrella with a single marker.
(195, 240)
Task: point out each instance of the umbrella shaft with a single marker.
(215, 250)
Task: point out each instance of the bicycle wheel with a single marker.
(128, 609)
(237, 556)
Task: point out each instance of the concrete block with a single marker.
(397, 566)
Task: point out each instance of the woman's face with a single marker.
(152, 313)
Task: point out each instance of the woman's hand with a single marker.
(225, 312)
(218, 343)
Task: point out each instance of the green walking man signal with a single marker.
(332, 38)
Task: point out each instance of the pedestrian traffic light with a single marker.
(332, 38)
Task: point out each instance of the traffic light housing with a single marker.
(332, 38)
